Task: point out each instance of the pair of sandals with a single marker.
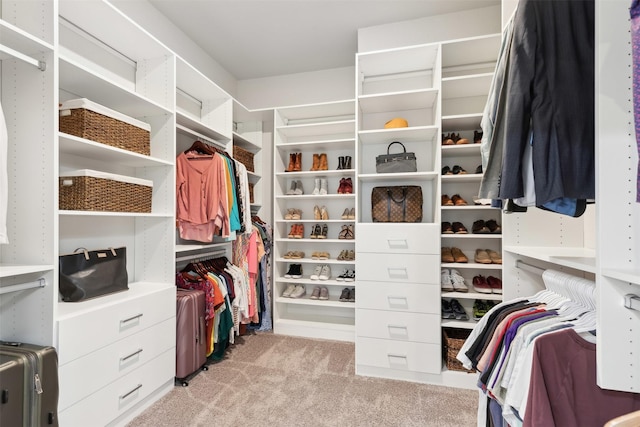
(346, 232)
(346, 255)
(319, 232)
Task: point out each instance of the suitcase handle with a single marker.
(124, 396)
(124, 359)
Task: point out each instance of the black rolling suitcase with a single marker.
(28, 385)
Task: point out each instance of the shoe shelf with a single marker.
(302, 197)
(461, 324)
(455, 122)
(472, 296)
(469, 265)
(407, 177)
(318, 145)
(315, 261)
(467, 177)
(305, 300)
(340, 328)
(471, 236)
(469, 208)
(318, 173)
(315, 221)
(319, 241)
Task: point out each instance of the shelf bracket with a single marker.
(632, 302)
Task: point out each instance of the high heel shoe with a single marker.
(352, 214)
(316, 213)
(345, 214)
(324, 214)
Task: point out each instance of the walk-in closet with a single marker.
(352, 225)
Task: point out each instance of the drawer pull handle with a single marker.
(137, 316)
(398, 243)
(398, 272)
(135, 353)
(124, 396)
(397, 359)
(398, 301)
(398, 330)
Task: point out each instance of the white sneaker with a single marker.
(287, 292)
(316, 273)
(299, 291)
(458, 281)
(325, 274)
(445, 280)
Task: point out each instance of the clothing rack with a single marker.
(202, 256)
(40, 283)
(528, 267)
(41, 65)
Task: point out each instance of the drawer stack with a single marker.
(116, 354)
(398, 302)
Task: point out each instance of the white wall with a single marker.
(430, 29)
(149, 18)
(295, 89)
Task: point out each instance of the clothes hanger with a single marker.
(201, 148)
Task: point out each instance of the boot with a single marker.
(292, 190)
(292, 162)
(340, 162)
(299, 189)
(341, 186)
(316, 190)
(324, 164)
(348, 186)
(316, 162)
(298, 162)
(323, 186)
(347, 162)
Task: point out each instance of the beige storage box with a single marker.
(89, 190)
(86, 119)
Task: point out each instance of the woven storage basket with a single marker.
(243, 156)
(251, 199)
(86, 119)
(88, 190)
(452, 341)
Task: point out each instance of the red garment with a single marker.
(563, 391)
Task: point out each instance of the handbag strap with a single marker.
(404, 202)
(86, 252)
(396, 142)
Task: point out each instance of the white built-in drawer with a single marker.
(398, 238)
(93, 371)
(408, 297)
(118, 397)
(399, 355)
(90, 330)
(398, 268)
(416, 327)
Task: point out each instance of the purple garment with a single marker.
(634, 11)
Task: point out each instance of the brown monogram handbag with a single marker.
(396, 204)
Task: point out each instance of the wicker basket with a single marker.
(243, 156)
(452, 340)
(87, 190)
(251, 199)
(86, 119)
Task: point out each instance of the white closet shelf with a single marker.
(397, 61)
(12, 270)
(461, 150)
(470, 265)
(323, 241)
(460, 122)
(194, 124)
(114, 214)
(193, 82)
(319, 145)
(466, 86)
(406, 177)
(253, 177)
(468, 207)
(460, 324)
(630, 276)
(317, 129)
(187, 248)
(319, 197)
(21, 41)
(136, 290)
(472, 295)
(467, 177)
(78, 79)
(579, 258)
(409, 134)
(316, 221)
(459, 379)
(398, 101)
(318, 303)
(471, 50)
(70, 144)
(329, 172)
(316, 261)
(247, 144)
(472, 236)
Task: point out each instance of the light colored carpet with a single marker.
(269, 379)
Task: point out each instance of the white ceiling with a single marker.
(261, 38)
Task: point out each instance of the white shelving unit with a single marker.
(397, 307)
(467, 70)
(248, 134)
(313, 129)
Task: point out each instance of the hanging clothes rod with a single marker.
(528, 267)
(41, 65)
(40, 283)
(196, 257)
